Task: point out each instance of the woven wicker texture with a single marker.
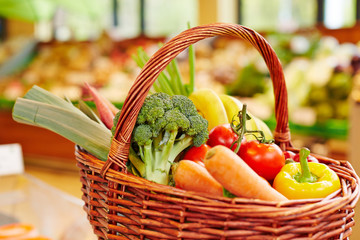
(122, 206)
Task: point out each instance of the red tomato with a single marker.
(197, 154)
(222, 135)
(309, 158)
(265, 159)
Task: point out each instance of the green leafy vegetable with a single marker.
(170, 80)
(44, 109)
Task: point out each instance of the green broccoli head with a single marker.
(166, 125)
(161, 112)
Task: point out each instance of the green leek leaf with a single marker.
(89, 112)
(39, 94)
(63, 119)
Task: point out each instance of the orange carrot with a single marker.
(106, 109)
(191, 176)
(237, 177)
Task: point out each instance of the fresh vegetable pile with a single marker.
(196, 140)
(246, 167)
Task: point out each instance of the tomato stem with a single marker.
(241, 131)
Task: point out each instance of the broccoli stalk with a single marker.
(166, 126)
(158, 158)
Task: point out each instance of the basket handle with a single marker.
(120, 144)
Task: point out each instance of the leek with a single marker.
(44, 109)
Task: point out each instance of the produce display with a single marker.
(11, 47)
(318, 71)
(197, 140)
(105, 64)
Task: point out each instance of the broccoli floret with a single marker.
(184, 104)
(166, 126)
(176, 120)
(168, 104)
(142, 134)
(158, 126)
(197, 124)
(153, 108)
(200, 138)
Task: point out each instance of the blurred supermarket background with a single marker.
(60, 44)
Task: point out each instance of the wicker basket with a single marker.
(123, 206)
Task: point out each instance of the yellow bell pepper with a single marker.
(306, 180)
